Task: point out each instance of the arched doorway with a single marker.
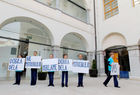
(121, 56)
(116, 43)
(22, 35)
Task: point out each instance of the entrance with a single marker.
(121, 56)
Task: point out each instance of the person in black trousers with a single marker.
(18, 75)
(34, 73)
(65, 74)
(80, 75)
(51, 74)
(109, 76)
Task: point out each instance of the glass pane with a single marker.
(8, 49)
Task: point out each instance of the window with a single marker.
(110, 8)
(136, 2)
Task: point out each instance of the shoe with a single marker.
(104, 84)
(32, 84)
(66, 85)
(78, 86)
(82, 85)
(62, 85)
(15, 84)
(52, 85)
(49, 85)
(117, 87)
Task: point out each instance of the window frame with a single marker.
(111, 9)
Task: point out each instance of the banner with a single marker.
(64, 64)
(49, 65)
(80, 66)
(115, 69)
(16, 64)
(33, 62)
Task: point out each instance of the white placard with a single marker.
(80, 66)
(33, 62)
(115, 69)
(49, 65)
(64, 64)
(16, 64)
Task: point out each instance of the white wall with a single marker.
(126, 22)
(58, 23)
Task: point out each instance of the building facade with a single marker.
(118, 30)
(46, 26)
(67, 26)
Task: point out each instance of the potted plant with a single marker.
(93, 72)
(42, 75)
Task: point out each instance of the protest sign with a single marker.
(80, 66)
(16, 64)
(33, 62)
(64, 64)
(49, 65)
(115, 69)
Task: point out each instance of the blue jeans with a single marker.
(18, 77)
(65, 77)
(109, 77)
(33, 76)
(80, 79)
(51, 77)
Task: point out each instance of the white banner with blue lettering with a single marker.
(33, 62)
(49, 65)
(64, 64)
(16, 64)
(80, 66)
(115, 69)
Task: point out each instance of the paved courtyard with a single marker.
(92, 86)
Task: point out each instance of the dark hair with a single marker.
(20, 55)
(65, 55)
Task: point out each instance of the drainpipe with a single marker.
(95, 29)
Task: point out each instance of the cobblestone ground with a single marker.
(92, 86)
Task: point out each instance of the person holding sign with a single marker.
(65, 74)
(80, 75)
(18, 75)
(110, 62)
(34, 73)
(51, 74)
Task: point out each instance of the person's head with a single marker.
(35, 53)
(111, 54)
(65, 56)
(51, 56)
(80, 56)
(20, 56)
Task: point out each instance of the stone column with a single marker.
(57, 52)
(100, 63)
(57, 4)
(90, 57)
(134, 60)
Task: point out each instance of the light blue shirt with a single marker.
(110, 61)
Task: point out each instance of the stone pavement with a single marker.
(92, 86)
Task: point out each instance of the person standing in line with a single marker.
(110, 62)
(51, 74)
(18, 74)
(64, 74)
(80, 75)
(34, 73)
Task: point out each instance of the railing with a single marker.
(67, 7)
